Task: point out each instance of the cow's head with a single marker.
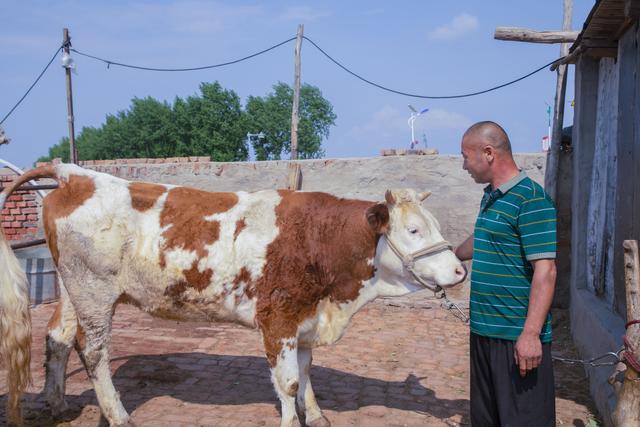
(407, 228)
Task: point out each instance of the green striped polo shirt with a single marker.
(516, 225)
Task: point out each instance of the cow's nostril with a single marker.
(460, 271)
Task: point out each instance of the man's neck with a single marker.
(502, 176)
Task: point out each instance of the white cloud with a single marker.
(195, 16)
(384, 123)
(19, 42)
(439, 118)
(390, 121)
(459, 26)
(303, 13)
(388, 128)
(377, 11)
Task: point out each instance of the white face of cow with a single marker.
(411, 228)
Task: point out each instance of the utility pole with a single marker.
(553, 156)
(73, 153)
(296, 96)
(565, 36)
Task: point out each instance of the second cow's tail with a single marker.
(15, 320)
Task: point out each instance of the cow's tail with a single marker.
(15, 320)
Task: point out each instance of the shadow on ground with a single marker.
(241, 380)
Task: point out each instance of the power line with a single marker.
(31, 87)
(379, 86)
(206, 67)
(426, 96)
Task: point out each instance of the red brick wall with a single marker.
(19, 218)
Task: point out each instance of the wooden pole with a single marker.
(296, 96)
(73, 153)
(627, 412)
(553, 155)
(516, 34)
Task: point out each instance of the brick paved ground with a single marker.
(401, 363)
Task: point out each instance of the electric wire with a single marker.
(205, 67)
(336, 62)
(31, 87)
(412, 95)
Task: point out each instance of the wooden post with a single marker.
(627, 412)
(294, 180)
(296, 96)
(73, 153)
(517, 34)
(551, 173)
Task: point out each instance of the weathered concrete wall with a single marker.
(606, 203)
(455, 199)
(594, 325)
(601, 216)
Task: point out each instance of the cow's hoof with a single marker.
(319, 422)
(128, 423)
(58, 408)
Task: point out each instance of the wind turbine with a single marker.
(414, 116)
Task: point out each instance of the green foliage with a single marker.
(60, 150)
(211, 123)
(271, 115)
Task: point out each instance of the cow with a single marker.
(296, 266)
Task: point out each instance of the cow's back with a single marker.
(175, 251)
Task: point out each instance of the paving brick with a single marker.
(385, 371)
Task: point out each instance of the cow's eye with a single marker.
(412, 230)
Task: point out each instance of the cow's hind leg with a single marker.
(61, 335)
(96, 326)
(94, 300)
(284, 374)
(306, 399)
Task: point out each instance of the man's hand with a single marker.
(528, 352)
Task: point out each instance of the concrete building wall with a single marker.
(454, 202)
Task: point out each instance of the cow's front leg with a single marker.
(306, 398)
(284, 374)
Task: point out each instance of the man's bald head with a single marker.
(490, 133)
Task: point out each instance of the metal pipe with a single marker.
(28, 244)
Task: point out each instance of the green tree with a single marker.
(211, 123)
(271, 115)
(60, 150)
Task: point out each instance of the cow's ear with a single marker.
(378, 218)
(422, 196)
(389, 197)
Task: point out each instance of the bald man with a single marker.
(513, 249)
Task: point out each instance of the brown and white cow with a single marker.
(294, 265)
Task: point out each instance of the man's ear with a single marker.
(378, 218)
(489, 152)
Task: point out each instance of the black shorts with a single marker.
(500, 396)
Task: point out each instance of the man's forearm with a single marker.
(464, 252)
(541, 296)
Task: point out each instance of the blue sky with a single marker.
(424, 47)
